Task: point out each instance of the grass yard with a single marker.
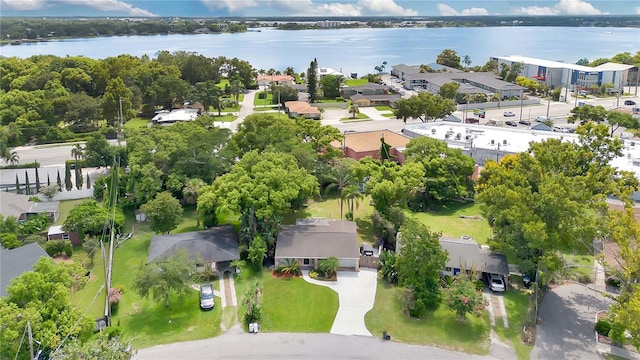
(289, 305)
(447, 220)
(356, 82)
(516, 302)
(383, 108)
(136, 123)
(263, 102)
(389, 115)
(441, 328)
(359, 116)
(225, 118)
(64, 209)
(580, 267)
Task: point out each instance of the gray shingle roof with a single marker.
(318, 241)
(13, 204)
(15, 262)
(217, 244)
(469, 255)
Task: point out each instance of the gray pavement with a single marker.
(356, 295)
(284, 346)
(568, 319)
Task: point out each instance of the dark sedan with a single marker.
(511, 123)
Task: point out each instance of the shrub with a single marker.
(479, 285)
(68, 249)
(388, 266)
(9, 241)
(584, 278)
(612, 281)
(328, 266)
(603, 327)
(34, 199)
(113, 332)
(313, 274)
(54, 247)
(349, 215)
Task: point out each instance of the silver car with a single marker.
(206, 297)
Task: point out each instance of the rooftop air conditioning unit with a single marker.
(493, 142)
(632, 144)
(458, 136)
(504, 142)
(467, 137)
(433, 131)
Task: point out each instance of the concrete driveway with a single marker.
(568, 319)
(356, 295)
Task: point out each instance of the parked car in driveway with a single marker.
(366, 249)
(508, 114)
(495, 282)
(206, 297)
(511, 123)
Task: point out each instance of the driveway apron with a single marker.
(356, 295)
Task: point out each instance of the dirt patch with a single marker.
(62, 258)
(191, 328)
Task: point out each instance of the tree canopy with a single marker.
(424, 106)
(164, 211)
(164, 277)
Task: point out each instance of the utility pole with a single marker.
(566, 89)
(521, 103)
(30, 340)
(549, 93)
(120, 120)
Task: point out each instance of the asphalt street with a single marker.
(295, 346)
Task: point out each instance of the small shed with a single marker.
(57, 233)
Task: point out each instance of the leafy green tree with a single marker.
(463, 298)
(330, 85)
(388, 269)
(164, 212)
(257, 251)
(9, 241)
(617, 119)
(103, 348)
(162, 278)
(339, 178)
(424, 106)
(117, 95)
(419, 264)
(98, 152)
(42, 297)
(583, 114)
(83, 113)
(329, 266)
(449, 90)
(91, 218)
(49, 191)
(312, 81)
(208, 93)
(354, 110)
(449, 58)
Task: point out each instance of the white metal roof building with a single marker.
(483, 142)
(573, 76)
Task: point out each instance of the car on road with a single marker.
(495, 282)
(511, 123)
(524, 122)
(471, 120)
(561, 129)
(542, 118)
(508, 114)
(206, 297)
(629, 102)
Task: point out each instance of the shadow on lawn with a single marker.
(451, 208)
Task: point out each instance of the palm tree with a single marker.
(190, 194)
(77, 151)
(351, 194)
(466, 60)
(11, 157)
(339, 178)
(353, 110)
(384, 65)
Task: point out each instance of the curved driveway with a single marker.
(356, 295)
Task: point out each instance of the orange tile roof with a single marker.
(370, 140)
(274, 78)
(301, 107)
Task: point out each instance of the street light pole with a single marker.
(549, 93)
(521, 103)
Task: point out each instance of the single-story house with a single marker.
(465, 255)
(57, 233)
(217, 246)
(15, 262)
(362, 144)
(365, 89)
(165, 117)
(266, 80)
(301, 109)
(19, 206)
(375, 100)
(311, 240)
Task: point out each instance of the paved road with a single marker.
(568, 318)
(268, 346)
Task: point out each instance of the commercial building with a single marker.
(576, 77)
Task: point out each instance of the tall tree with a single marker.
(163, 278)
(103, 348)
(207, 93)
(424, 106)
(59, 181)
(37, 181)
(77, 152)
(466, 60)
(117, 96)
(312, 81)
(27, 183)
(449, 90)
(463, 298)
(354, 110)
(67, 177)
(164, 212)
(418, 264)
(17, 184)
(79, 178)
(449, 58)
(339, 178)
(330, 85)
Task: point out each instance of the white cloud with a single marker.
(385, 7)
(446, 10)
(22, 4)
(309, 8)
(102, 5)
(563, 7)
(638, 10)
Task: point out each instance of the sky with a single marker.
(319, 8)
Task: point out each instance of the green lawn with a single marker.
(64, 209)
(441, 328)
(359, 116)
(383, 108)
(389, 115)
(290, 305)
(330, 101)
(136, 123)
(580, 267)
(356, 82)
(225, 118)
(447, 220)
(516, 303)
(267, 101)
